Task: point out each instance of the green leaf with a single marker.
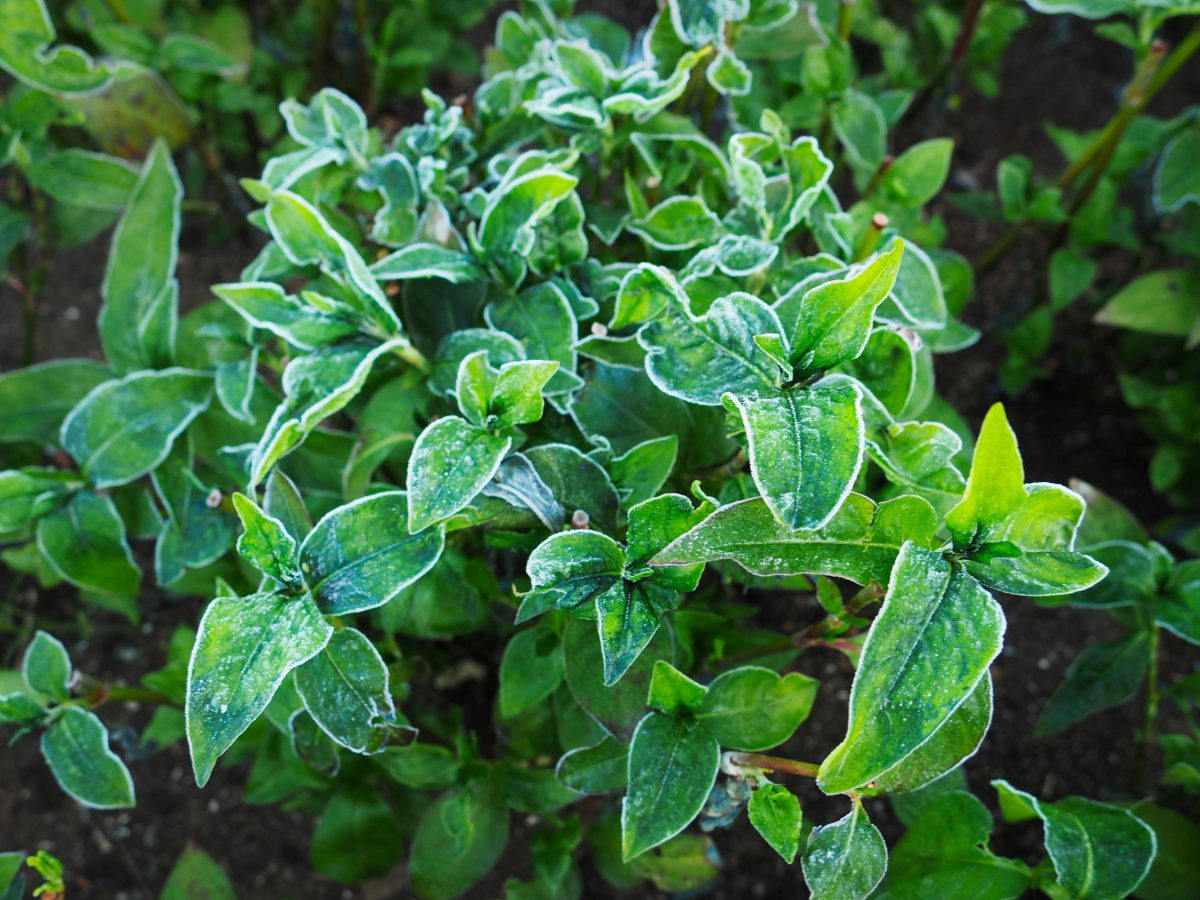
(461, 836)
(860, 125)
(428, 261)
(1098, 851)
(1176, 868)
(307, 238)
(315, 386)
(617, 708)
(672, 767)
(917, 174)
(595, 770)
(806, 447)
(699, 358)
(514, 208)
(1178, 608)
(845, 860)
(531, 669)
(75, 746)
(137, 321)
(953, 743)
(1101, 676)
(34, 401)
(451, 463)
(672, 692)
(266, 544)
(775, 814)
(21, 709)
(27, 55)
(627, 621)
(517, 399)
(244, 649)
(833, 319)
(655, 523)
(860, 542)
(542, 319)
(575, 566)
(197, 876)
(955, 826)
(361, 555)
(1176, 181)
(1038, 573)
(932, 642)
(678, 223)
(345, 689)
(266, 305)
(86, 179)
(421, 766)
(84, 542)
(1165, 302)
(753, 708)
(47, 667)
(357, 837)
(996, 486)
(125, 428)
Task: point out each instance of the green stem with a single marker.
(775, 764)
(845, 19)
(1153, 73)
(1151, 713)
(117, 8)
(123, 693)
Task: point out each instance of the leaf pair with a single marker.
(675, 752)
(357, 557)
(74, 741)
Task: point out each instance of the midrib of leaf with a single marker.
(908, 654)
(129, 426)
(363, 699)
(365, 558)
(255, 653)
(1089, 851)
(694, 323)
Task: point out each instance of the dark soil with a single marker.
(1073, 425)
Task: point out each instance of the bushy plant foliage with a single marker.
(478, 464)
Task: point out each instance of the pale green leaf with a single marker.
(932, 642)
(345, 689)
(125, 428)
(361, 555)
(806, 447)
(245, 647)
(75, 746)
(775, 814)
(450, 464)
(672, 768)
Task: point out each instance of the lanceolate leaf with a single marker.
(135, 332)
(361, 555)
(315, 387)
(932, 642)
(833, 321)
(427, 261)
(76, 749)
(996, 485)
(345, 689)
(245, 646)
(845, 860)
(1101, 676)
(1099, 852)
(34, 401)
(627, 622)
(859, 543)
(955, 741)
(124, 429)
(450, 464)
(84, 541)
(672, 767)
(266, 544)
(806, 447)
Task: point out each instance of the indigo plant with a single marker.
(472, 478)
